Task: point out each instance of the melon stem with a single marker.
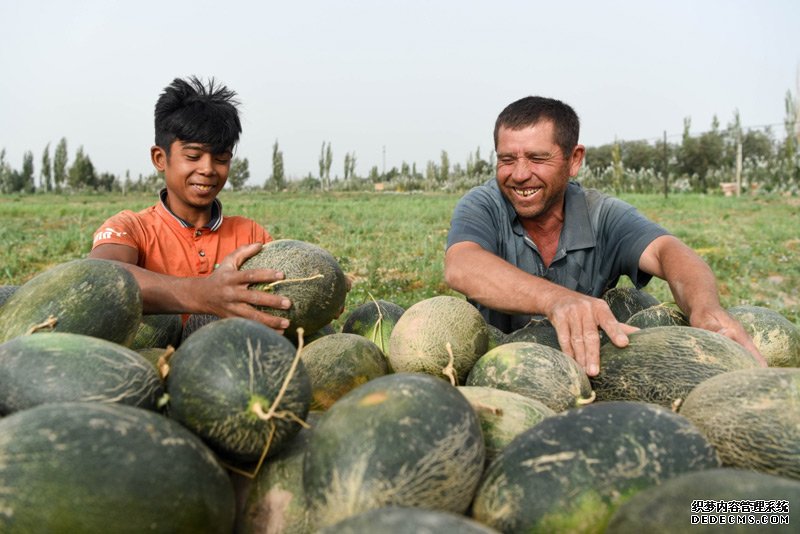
(450, 370)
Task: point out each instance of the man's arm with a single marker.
(495, 283)
(224, 293)
(694, 288)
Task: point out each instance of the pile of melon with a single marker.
(423, 419)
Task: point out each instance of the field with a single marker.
(393, 244)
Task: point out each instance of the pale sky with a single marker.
(414, 77)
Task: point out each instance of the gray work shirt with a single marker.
(602, 239)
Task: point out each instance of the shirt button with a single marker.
(203, 253)
(197, 233)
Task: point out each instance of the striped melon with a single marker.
(541, 332)
(662, 364)
(6, 292)
(776, 338)
(194, 322)
(625, 301)
(535, 371)
(158, 331)
(752, 417)
(375, 321)
(571, 471)
(63, 367)
(405, 439)
(420, 339)
(664, 314)
(404, 520)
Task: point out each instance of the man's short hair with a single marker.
(530, 110)
(200, 113)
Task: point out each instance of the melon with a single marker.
(405, 439)
(752, 417)
(62, 367)
(194, 322)
(625, 301)
(314, 282)
(662, 364)
(337, 363)
(664, 314)
(6, 292)
(375, 321)
(404, 520)
(703, 498)
(420, 339)
(570, 472)
(94, 467)
(503, 415)
(535, 371)
(96, 298)
(154, 355)
(158, 331)
(275, 501)
(776, 338)
(542, 332)
(225, 377)
(496, 336)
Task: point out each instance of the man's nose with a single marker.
(206, 166)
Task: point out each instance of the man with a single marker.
(532, 242)
(182, 252)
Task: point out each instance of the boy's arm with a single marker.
(224, 293)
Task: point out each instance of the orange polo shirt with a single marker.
(169, 245)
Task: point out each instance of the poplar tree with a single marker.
(60, 164)
(46, 174)
(277, 180)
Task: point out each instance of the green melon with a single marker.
(776, 337)
(420, 338)
(496, 336)
(194, 322)
(752, 417)
(154, 354)
(535, 371)
(404, 520)
(93, 467)
(662, 364)
(158, 331)
(664, 314)
(625, 301)
(275, 501)
(543, 333)
(314, 282)
(337, 363)
(696, 502)
(375, 321)
(503, 415)
(62, 367)
(222, 374)
(6, 292)
(96, 298)
(405, 439)
(569, 472)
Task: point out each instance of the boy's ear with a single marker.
(159, 158)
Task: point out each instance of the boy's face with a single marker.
(194, 176)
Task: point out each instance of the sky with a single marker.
(390, 81)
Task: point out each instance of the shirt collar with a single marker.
(213, 223)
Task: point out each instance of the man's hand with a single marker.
(576, 318)
(225, 293)
(718, 320)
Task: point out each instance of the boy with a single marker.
(182, 252)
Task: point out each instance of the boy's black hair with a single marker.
(532, 109)
(193, 112)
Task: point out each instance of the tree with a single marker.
(790, 123)
(444, 168)
(26, 181)
(46, 174)
(239, 173)
(328, 163)
(321, 162)
(81, 174)
(277, 179)
(349, 166)
(107, 182)
(5, 173)
(60, 164)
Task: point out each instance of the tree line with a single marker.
(756, 156)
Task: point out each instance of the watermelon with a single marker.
(6, 292)
(62, 367)
(94, 467)
(158, 331)
(337, 363)
(96, 298)
(542, 332)
(314, 282)
(752, 417)
(625, 301)
(774, 335)
(535, 371)
(275, 501)
(375, 321)
(503, 415)
(570, 472)
(404, 520)
(405, 439)
(664, 314)
(703, 499)
(420, 338)
(662, 364)
(220, 377)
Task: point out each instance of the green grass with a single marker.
(393, 244)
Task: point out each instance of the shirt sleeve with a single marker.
(120, 229)
(475, 219)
